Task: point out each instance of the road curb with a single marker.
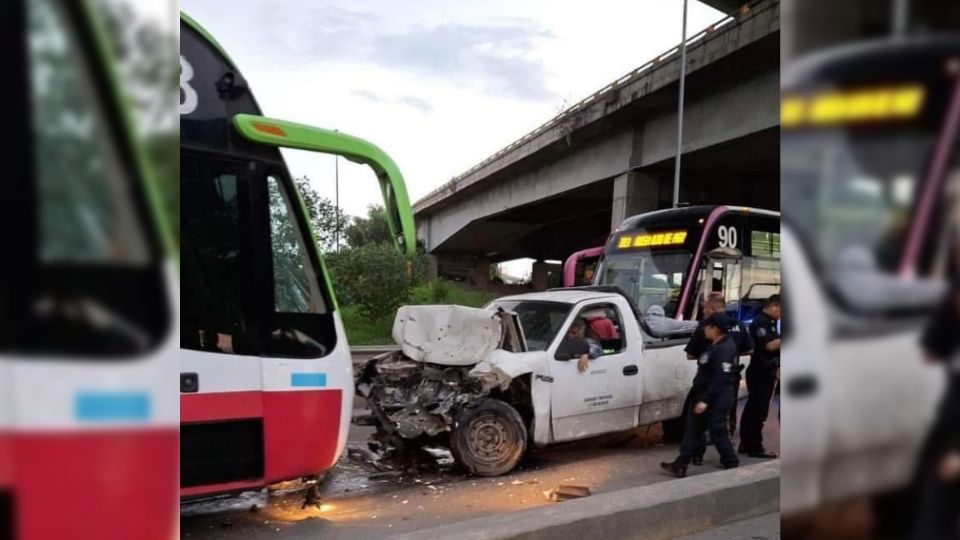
(658, 511)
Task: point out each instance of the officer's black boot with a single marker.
(698, 460)
(675, 468)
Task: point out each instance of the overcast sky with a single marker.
(439, 84)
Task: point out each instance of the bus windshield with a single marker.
(652, 279)
(852, 192)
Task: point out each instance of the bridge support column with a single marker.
(481, 272)
(473, 270)
(633, 193)
(539, 275)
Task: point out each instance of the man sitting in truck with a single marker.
(575, 345)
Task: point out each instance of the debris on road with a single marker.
(566, 492)
(384, 474)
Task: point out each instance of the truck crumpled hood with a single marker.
(450, 356)
(447, 335)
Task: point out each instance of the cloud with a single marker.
(421, 105)
(498, 58)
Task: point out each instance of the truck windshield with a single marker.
(541, 321)
(652, 279)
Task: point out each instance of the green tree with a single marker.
(372, 229)
(324, 215)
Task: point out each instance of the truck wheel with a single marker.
(489, 438)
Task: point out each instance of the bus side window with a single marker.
(295, 284)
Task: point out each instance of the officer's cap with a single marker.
(721, 321)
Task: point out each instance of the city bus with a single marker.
(88, 294)
(870, 165)
(670, 261)
(266, 381)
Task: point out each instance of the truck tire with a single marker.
(489, 438)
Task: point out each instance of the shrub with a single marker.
(374, 279)
(445, 292)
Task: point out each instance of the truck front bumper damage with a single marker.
(450, 356)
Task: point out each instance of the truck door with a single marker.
(606, 397)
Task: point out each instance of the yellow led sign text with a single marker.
(852, 107)
(647, 240)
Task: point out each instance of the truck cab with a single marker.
(633, 382)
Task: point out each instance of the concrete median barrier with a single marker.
(658, 511)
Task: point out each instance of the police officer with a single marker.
(720, 367)
(761, 379)
(695, 348)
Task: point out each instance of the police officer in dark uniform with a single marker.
(761, 379)
(697, 346)
(713, 387)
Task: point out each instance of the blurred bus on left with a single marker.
(88, 294)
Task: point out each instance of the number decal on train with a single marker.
(728, 236)
(188, 94)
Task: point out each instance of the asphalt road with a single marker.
(358, 507)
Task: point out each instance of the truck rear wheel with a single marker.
(489, 438)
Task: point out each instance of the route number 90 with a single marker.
(727, 236)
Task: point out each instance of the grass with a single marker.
(364, 331)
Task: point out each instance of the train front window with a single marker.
(86, 212)
(86, 276)
(295, 285)
(652, 279)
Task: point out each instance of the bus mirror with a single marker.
(283, 134)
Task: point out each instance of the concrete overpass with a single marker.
(564, 186)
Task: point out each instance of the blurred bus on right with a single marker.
(870, 172)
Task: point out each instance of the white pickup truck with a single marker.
(491, 382)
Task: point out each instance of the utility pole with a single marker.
(683, 77)
(336, 180)
(900, 18)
